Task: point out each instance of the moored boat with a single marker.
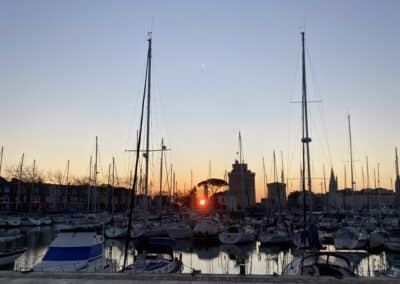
(319, 264)
(74, 252)
(236, 235)
(156, 259)
(350, 238)
(207, 230)
(180, 231)
(115, 232)
(13, 222)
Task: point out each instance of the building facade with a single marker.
(242, 185)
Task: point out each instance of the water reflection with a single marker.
(214, 259)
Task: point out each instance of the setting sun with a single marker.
(202, 202)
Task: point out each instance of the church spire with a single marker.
(333, 185)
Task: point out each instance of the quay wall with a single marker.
(100, 278)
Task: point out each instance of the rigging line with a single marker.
(317, 133)
(314, 80)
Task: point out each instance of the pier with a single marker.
(89, 278)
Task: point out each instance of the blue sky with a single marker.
(71, 70)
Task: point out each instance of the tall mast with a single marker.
(67, 185)
(396, 163)
(366, 161)
(282, 171)
(1, 158)
(171, 185)
(32, 184)
(21, 166)
(146, 182)
(368, 184)
(161, 171)
(134, 183)
(112, 185)
(90, 184)
(379, 193)
(351, 156)
(95, 178)
(397, 179)
(305, 139)
(325, 195)
(275, 171)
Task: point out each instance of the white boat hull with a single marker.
(156, 267)
(115, 232)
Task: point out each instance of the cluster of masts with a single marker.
(143, 180)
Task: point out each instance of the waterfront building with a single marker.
(242, 185)
(277, 195)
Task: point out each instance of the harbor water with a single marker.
(204, 258)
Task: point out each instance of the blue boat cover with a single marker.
(73, 253)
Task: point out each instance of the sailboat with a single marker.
(351, 237)
(237, 234)
(155, 259)
(279, 234)
(313, 263)
(72, 252)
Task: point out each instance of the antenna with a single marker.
(152, 24)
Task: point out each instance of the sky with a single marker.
(73, 70)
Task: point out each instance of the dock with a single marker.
(122, 278)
